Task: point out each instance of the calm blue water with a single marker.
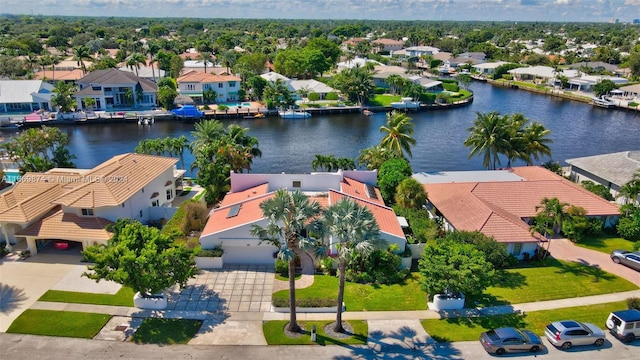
(577, 130)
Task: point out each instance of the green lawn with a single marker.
(559, 280)
(360, 297)
(274, 333)
(383, 100)
(166, 331)
(59, 323)
(468, 329)
(124, 297)
(606, 244)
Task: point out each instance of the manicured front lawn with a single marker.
(166, 331)
(468, 329)
(124, 297)
(274, 333)
(59, 323)
(383, 100)
(558, 280)
(606, 244)
(361, 297)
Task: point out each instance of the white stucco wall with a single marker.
(308, 182)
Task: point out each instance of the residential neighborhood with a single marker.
(385, 189)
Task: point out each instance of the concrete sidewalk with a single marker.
(347, 315)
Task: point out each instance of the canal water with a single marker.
(577, 129)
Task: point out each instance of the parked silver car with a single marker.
(567, 333)
(628, 258)
(499, 341)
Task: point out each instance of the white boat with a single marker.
(294, 114)
(406, 103)
(603, 101)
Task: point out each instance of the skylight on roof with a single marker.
(233, 211)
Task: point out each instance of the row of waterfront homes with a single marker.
(76, 204)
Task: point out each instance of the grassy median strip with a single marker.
(275, 335)
(124, 297)
(468, 329)
(558, 280)
(59, 323)
(166, 331)
(365, 297)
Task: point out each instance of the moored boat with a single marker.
(367, 112)
(406, 104)
(254, 116)
(603, 101)
(294, 114)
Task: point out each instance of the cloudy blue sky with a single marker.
(485, 10)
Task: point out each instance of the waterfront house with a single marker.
(488, 68)
(115, 89)
(229, 225)
(24, 96)
(195, 84)
(299, 87)
(611, 170)
(502, 203)
(586, 82)
(53, 76)
(76, 204)
(541, 74)
(417, 51)
(386, 45)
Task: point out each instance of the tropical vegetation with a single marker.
(40, 149)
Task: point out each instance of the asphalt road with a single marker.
(14, 346)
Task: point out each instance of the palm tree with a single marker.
(179, 144)
(373, 157)
(206, 59)
(398, 131)
(554, 210)
(396, 82)
(135, 60)
(354, 230)
(62, 97)
(489, 136)
(206, 132)
(80, 54)
(535, 139)
(152, 50)
(630, 190)
(289, 217)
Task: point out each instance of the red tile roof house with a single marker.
(229, 225)
(500, 203)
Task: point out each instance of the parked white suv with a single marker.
(625, 324)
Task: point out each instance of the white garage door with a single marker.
(249, 254)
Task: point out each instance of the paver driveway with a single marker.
(235, 288)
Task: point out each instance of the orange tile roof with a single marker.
(116, 180)
(59, 75)
(385, 216)
(250, 200)
(201, 77)
(248, 212)
(497, 208)
(59, 225)
(32, 196)
(359, 189)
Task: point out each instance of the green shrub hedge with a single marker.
(305, 302)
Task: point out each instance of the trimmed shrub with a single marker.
(215, 252)
(331, 96)
(428, 98)
(313, 96)
(282, 267)
(379, 267)
(223, 107)
(633, 303)
(451, 87)
(380, 90)
(305, 302)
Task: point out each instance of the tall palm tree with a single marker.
(206, 132)
(354, 230)
(152, 50)
(289, 223)
(179, 144)
(80, 54)
(554, 210)
(135, 60)
(206, 59)
(398, 133)
(536, 142)
(396, 82)
(630, 190)
(489, 137)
